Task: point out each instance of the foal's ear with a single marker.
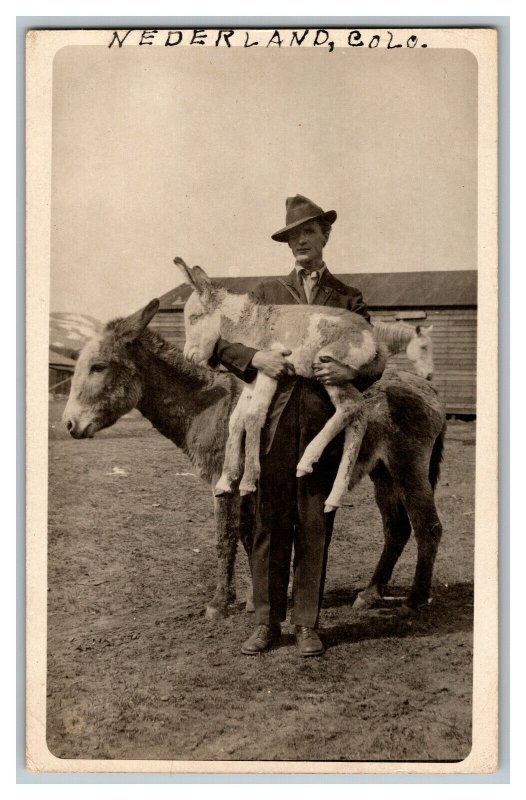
(131, 327)
(185, 270)
(202, 282)
(195, 276)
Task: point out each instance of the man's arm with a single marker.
(356, 304)
(236, 357)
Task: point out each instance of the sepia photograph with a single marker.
(262, 461)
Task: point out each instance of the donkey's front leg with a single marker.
(255, 417)
(227, 513)
(247, 515)
(232, 460)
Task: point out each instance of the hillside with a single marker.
(68, 332)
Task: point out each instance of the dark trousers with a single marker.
(290, 513)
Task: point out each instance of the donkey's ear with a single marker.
(131, 327)
(185, 270)
(195, 276)
(202, 282)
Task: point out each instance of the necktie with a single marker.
(310, 279)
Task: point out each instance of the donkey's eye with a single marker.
(98, 367)
(193, 318)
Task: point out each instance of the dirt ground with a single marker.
(135, 670)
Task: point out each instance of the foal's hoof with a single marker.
(223, 486)
(249, 606)
(302, 471)
(328, 508)
(213, 613)
(246, 488)
(220, 492)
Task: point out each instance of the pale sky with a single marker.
(160, 152)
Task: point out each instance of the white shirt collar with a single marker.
(320, 271)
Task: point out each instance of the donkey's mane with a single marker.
(394, 335)
(169, 354)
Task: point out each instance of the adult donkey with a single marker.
(129, 366)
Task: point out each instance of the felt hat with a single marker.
(300, 209)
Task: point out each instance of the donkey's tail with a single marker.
(436, 458)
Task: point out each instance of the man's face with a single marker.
(307, 242)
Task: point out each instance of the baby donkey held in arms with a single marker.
(308, 335)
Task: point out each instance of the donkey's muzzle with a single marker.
(76, 431)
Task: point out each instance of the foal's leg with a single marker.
(419, 501)
(354, 434)
(255, 417)
(348, 403)
(232, 460)
(397, 531)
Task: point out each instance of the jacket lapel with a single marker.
(295, 287)
(321, 294)
(323, 290)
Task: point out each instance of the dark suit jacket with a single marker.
(287, 291)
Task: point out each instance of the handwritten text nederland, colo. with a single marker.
(315, 37)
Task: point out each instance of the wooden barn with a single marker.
(446, 300)
(61, 369)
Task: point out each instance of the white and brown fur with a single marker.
(313, 334)
(129, 366)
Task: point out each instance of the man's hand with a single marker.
(273, 363)
(332, 373)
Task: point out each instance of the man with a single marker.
(290, 511)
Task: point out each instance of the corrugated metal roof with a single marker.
(58, 360)
(380, 290)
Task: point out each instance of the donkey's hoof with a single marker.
(366, 599)
(406, 612)
(214, 614)
(328, 508)
(247, 488)
(360, 603)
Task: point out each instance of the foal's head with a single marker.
(420, 352)
(202, 313)
(106, 383)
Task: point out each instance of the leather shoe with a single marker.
(308, 641)
(263, 637)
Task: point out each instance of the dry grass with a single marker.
(135, 671)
